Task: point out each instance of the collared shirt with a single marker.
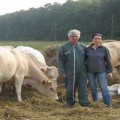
(98, 60)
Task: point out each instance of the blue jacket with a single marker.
(98, 60)
(71, 58)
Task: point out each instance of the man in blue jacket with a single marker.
(71, 66)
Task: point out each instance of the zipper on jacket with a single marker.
(74, 72)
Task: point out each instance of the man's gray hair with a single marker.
(74, 32)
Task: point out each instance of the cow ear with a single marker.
(43, 70)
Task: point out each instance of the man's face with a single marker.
(74, 39)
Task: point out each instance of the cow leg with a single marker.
(18, 85)
(1, 84)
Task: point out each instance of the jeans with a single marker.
(99, 78)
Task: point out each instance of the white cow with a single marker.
(36, 56)
(114, 49)
(38, 59)
(17, 65)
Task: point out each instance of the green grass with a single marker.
(36, 45)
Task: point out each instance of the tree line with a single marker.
(52, 21)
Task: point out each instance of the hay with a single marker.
(116, 77)
(39, 107)
(50, 54)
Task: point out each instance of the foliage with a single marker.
(53, 21)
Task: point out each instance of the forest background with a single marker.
(53, 21)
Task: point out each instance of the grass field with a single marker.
(37, 45)
(38, 107)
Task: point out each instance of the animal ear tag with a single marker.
(49, 82)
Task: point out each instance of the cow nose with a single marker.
(60, 99)
(57, 98)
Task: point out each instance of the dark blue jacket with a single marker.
(71, 58)
(98, 60)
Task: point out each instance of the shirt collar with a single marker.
(93, 44)
(74, 44)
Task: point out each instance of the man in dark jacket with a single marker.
(71, 65)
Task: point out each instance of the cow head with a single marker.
(49, 88)
(46, 88)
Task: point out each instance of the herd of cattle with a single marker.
(25, 65)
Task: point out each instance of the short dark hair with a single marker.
(97, 34)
